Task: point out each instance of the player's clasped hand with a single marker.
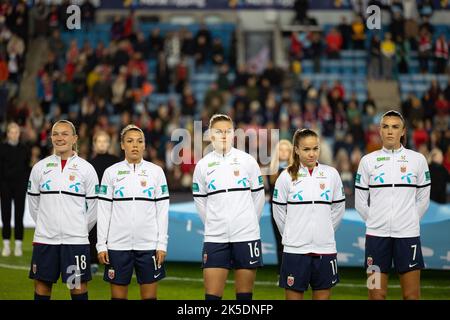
(160, 257)
(103, 257)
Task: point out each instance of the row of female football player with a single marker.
(131, 205)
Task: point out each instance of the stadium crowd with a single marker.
(106, 87)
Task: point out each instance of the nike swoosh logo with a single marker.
(156, 275)
(413, 265)
(253, 262)
(210, 172)
(333, 281)
(376, 167)
(118, 180)
(79, 275)
(46, 172)
(297, 182)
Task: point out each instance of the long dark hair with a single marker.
(295, 158)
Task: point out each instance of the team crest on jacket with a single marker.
(369, 261)
(322, 186)
(205, 258)
(111, 274)
(236, 173)
(34, 269)
(72, 177)
(290, 280)
(143, 183)
(403, 169)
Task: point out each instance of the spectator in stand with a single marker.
(374, 71)
(434, 90)
(388, 56)
(426, 8)
(346, 31)
(358, 35)
(19, 25)
(427, 26)
(442, 106)
(16, 60)
(295, 48)
(440, 177)
(188, 102)
(217, 52)
(156, 41)
(162, 74)
(181, 75)
(88, 13)
(425, 50)
(116, 31)
(334, 44)
(397, 26)
(420, 135)
(142, 45)
(403, 50)
(301, 8)
(441, 54)
(223, 81)
(316, 50)
(447, 91)
(130, 25)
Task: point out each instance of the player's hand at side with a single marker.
(103, 257)
(160, 257)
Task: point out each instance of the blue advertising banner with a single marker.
(186, 236)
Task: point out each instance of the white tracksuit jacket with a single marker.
(63, 203)
(308, 210)
(133, 208)
(397, 182)
(228, 192)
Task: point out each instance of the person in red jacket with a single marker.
(334, 43)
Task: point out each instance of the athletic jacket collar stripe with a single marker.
(399, 150)
(224, 156)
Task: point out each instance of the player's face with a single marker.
(222, 135)
(391, 131)
(101, 144)
(284, 152)
(63, 139)
(308, 150)
(133, 145)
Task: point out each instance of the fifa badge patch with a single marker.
(358, 178)
(205, 258)
(260, 180)
(275, 193)
(34, 269)
(195, 187)
(322, 186)
(369, 261)
(402, 169)
(427, 176)
(164, 189)
(143, 183)
(290, 280)
(29, 184)
(111, 274)
(101, 189)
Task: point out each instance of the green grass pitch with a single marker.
(184, 282)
